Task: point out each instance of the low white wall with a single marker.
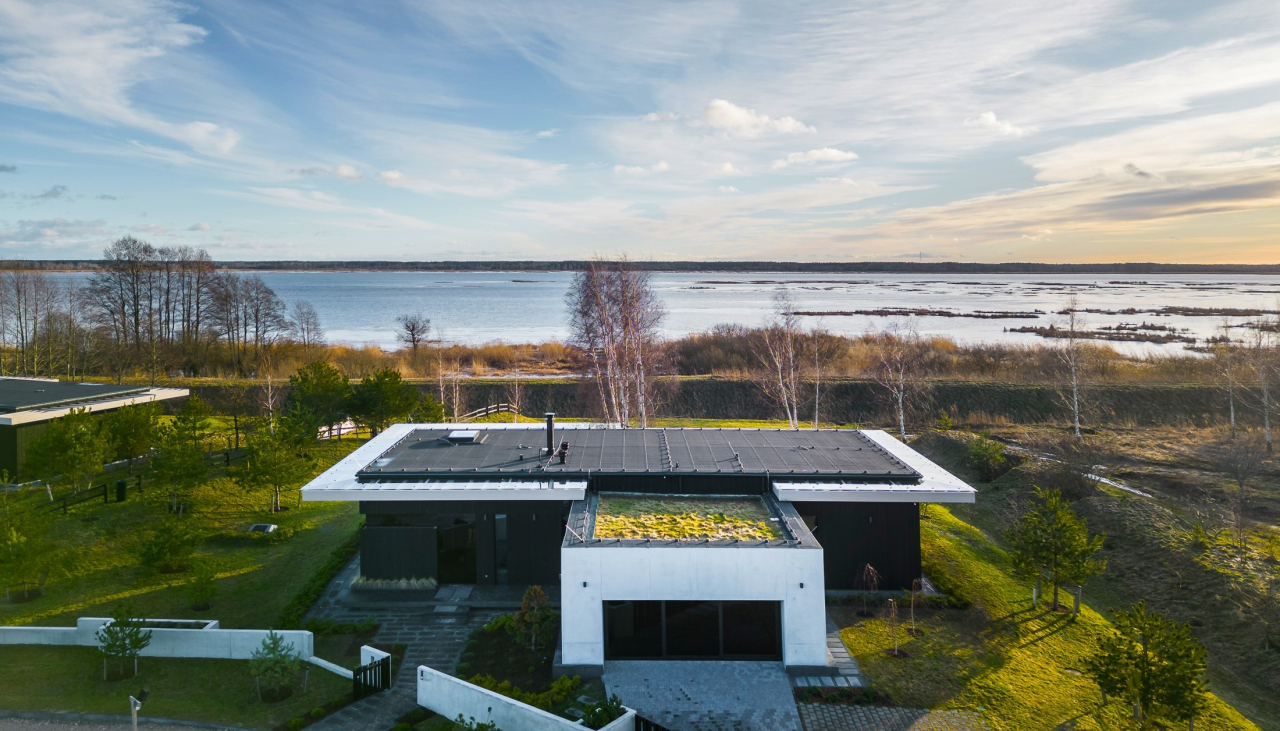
(210, 642)
(592, 576)
(369, 654)
(451, 697)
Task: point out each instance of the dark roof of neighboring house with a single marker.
(22, 394)
(843, 453)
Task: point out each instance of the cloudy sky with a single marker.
(1089, 130)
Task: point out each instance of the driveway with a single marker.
(706, 695)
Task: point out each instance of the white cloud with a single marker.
(727, 189)
(988, 120)
(150, 228)
(635, 170)
(728, 168)
(825, 154)
(347, 172)
(547, 133)
(84, 59)
(201, 226)
(661, 117)
(736, 121)
(392, 177)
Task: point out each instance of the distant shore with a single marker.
(892, 267)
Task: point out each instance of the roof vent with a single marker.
(464, 436)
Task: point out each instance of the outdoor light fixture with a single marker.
(801, 584)
(584, 584)
(135, 705)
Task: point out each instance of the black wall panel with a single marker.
(398, 552)
(885, 535)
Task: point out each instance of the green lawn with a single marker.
(1016, 666)
(91, 555)
(220, 691)
(684, 518)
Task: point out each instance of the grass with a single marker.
(684, 518)
(1017, 667)
(91, 554)
(216, 691)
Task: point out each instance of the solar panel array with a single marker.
(843, 453)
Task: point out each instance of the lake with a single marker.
(478, 307)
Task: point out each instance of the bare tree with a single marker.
(898, 351)
(614, 315)
(1227, 364)
(304, 322)
(1072, 355)
(1241, 460)
(777, 349)
(1262, 349)
(415, 331)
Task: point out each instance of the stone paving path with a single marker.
(706, 695)
(431, 638)
(824, 717)
(845, 671)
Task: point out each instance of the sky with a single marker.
(929, 130)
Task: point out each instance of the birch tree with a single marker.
(614, 318)
(777, 350)
(1226, 362)
(1261, 350)
(1072, 355)
(898, 350)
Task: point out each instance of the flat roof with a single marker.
(427, 452)
(24, 394)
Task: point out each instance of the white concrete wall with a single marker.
(692, 573)
(211, 642)
(370, 654)
(451, 697)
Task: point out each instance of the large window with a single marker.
(456, 550)
(692, 630)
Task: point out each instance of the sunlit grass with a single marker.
(1016, 666)
(684, 518)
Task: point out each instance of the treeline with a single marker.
(153, 311)
(887, 267)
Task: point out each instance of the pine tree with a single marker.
(122, 639)
(1051, 541)
(132, 431)
(72, 450)
(274, 664)
(381, 399)
(1152, 662)
(319, 395)
(181, 457)
(272, 462)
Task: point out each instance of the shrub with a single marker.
(317, 713)
(560, 690)
(296, 723)
(203, 588)
(603, 713)
(987, 457)
(944, 422)
(168, 546)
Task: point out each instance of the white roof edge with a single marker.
(934, 477)
(34, 416)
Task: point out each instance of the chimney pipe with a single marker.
(551, 431)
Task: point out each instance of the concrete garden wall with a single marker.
(209, 642)
(451, 697)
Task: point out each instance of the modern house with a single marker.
(665, 543)
(27, 405)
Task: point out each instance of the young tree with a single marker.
(304, 323)
(534, 618)
(1050, 540)
(180, 458)
(72, 450)
(168, 546)
(203, 588)
(272, 463)
(515, 391)
(132, 431)
(122, 639)
(381, 399)
(274, 664)
(1227, 363)
(898, 350)
(987, 456)
(1072, 355)
(1152, 662)
(777, 348)
(1263, 349)
(1241, 459)
(319, 394)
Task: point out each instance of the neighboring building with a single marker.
(795, 512)
(27, 405)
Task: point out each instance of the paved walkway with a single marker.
(824, 717)
(706, 695)
(431, 637)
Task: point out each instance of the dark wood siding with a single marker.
(535, 530)
(885, 535)
(398, 552)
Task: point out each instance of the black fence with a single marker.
(644, 724)
(372, 678)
